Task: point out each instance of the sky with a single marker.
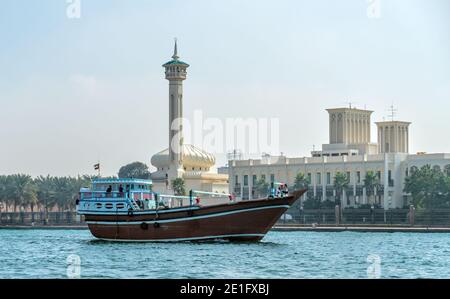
(74, 91)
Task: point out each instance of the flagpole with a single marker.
(97, 167)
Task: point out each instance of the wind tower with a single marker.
(175, 71)
(393, 135)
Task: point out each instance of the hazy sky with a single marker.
(73, 91)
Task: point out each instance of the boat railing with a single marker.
(112, 194)
(172, 201)
(149, 200)
(194, 196)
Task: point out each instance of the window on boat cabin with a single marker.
(245, 180)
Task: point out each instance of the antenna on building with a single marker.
(236, 154)
(351, 104)
(392, 112)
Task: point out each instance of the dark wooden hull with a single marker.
(243, 221)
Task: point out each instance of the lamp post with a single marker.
(301, 213)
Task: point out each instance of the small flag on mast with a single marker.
(97, 166)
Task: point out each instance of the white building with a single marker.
(349, 151)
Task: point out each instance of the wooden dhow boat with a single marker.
(128, 210)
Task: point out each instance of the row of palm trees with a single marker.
(22, 192)
(341, 183)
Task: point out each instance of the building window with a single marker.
(390, 180)
(318, 179)
(245, 180)
(358, 177)
(236, 180)
(379, 175)
(309, 178)
(328, 178)
(348, 176)
(272, 178)
(254, 179)
(263, 177)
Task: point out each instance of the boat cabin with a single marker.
(117, 195)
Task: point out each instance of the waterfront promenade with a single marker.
(280, 228)
(365, 228)
(324, 220)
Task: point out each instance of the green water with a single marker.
(44, 254)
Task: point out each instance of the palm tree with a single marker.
(46, 194)
(3, 184)
(5, 190)
(31, 200)
(301, 182)
(370, 182)
(447, 170)
(179, 187)
(22, 190)
(65, 190)
(341, 182)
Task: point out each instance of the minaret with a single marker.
(176, 74)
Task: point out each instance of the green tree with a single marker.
(22, 190)
(447, 170)
(429, 187)
(136, 170)
(371, 181)
(341, 182)
(312, 203)
(5, 190)
(45, 193)
(178, 186)
(301, 182)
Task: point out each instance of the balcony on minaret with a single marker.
(175, 69)
(175, 72)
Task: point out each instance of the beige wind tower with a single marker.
(393, 136)
(349, 126)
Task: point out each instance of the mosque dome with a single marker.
(192, 157)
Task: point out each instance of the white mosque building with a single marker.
(179, 160)
(349, 151)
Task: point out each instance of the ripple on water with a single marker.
(43, 254)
